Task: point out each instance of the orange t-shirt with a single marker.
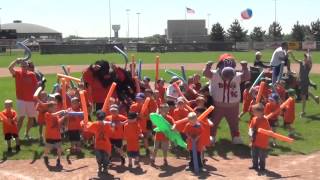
(247, 98)
(42, 109)
(289, 114)
(74, 122)
(131, 134)
(102, 133)
(10, 124)
(162, 92)
(179, 114)
(117, 133)
(52, 127)
(270, 108)
(260, 140)
(26, 85)
(194, 130)
(160, 136)
(141, 120)
(282, 92)
(205, 135)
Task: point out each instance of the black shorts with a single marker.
(116, 142)
(10, 136)
(133, 154)
(53, 141)
(74, 135)
(149, 125)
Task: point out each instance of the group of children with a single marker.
(121, 131)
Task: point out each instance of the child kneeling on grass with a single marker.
(52, 132)
(102, 144)
(10, 127)
(259, 142)
(132, 133)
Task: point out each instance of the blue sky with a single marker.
(91, 18)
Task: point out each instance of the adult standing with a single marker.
(26, 84)
(279, 56)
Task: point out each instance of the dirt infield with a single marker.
(4, 72)
(284, 167)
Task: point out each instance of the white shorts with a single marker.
(26, 108)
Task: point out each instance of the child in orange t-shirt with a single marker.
(271, 107)
(117, 122)
(259, 142)
(142, 119)
(246, 98)
(10, 125)
(102, 145)
(74, 126)
(152, 108)
(289, 113)
(193, 131)
(180, 112)
(160, 140)
(161, 88)
(205, 135)
(42, 108)
(132, 133)
(52, 132)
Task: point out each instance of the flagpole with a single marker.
(185, 13)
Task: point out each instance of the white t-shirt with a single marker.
(223, 91)
(278, 56)
(171, 91)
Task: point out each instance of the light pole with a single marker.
(275, 11)
(0, 20)
(138, 14)
(128, 21)
(208, 22)
(109, 21)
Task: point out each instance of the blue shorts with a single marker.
(133, 154)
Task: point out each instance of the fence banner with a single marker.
(293, 45)
(259, 45)
(242, 45)
(309, 45)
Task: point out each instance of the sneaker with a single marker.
(27, 137)
(165, 162)
(302, 114)
(152, 161)
(130, 165)
(105, 170)
(9, 150)
(99, 170)
(58, 164)
(46, 160)
(237, 140)
(254, 167)
(18, 148)
(202, 170)
(212, 140)
(188, 168)
(147, 152)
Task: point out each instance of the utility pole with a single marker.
(138, 14)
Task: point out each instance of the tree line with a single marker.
(236, 32)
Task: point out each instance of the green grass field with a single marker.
(306, 143)
(176, 57)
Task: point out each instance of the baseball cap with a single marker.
(146, 78)
(225, 56)
(8, 101)
(258, 53)
(140, 96)
(174, 79)
(114, 107)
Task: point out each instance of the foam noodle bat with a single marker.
(175, 74)
(69, 77)
(27, 51)
(84, 107)
(261, 89)
(157, 69)
(66, 72)
(275, 135)
(183, 72)
(106, 103)
(139, 69)
(256, 81)
(205, 113)
(277, 111)
(35, 95)
(125, 56)
(165, 127)
(144, 107)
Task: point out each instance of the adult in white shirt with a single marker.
(278, 56)
(171, 92)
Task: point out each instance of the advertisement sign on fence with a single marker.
(242, 46)
(259, 45)
(293, 45)
(309, 45)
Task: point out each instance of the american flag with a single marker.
(190, 11)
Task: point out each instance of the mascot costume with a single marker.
(224, 87)
(98, 78)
